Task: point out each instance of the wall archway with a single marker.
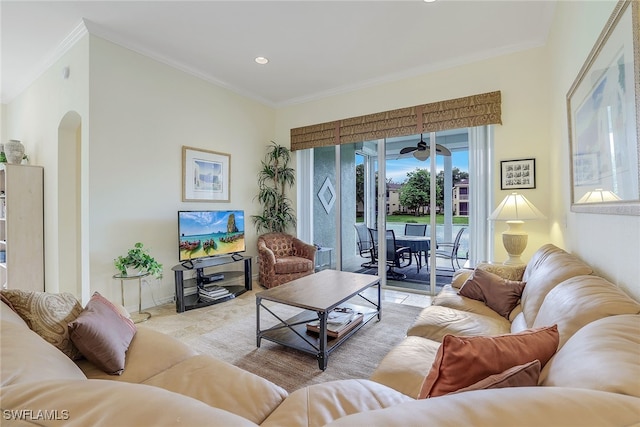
(69, 266)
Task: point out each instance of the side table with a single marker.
(142, 316)
(321, 252)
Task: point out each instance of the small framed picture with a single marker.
(517, 174)
(205, 175)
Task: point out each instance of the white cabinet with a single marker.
(22, 227)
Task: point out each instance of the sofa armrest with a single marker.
(304, 250)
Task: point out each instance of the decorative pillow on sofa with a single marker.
(47, 314)
(103, 334)
(463, 361)
(519, 376)
(500, 295)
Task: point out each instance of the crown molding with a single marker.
(78, 32)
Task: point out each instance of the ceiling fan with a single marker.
(421, 150)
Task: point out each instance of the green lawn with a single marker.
(422, 219)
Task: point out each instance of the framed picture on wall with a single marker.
(205, 175)
(517, 174)
(604, 126)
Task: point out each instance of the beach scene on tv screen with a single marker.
(210, 233)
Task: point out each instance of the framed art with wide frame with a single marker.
(517, 174)
(603, 119)
(205, 175)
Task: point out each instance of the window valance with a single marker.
(470, 111)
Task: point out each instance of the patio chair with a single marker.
(418, 230)
(397, 257)
(365, 245)
(449, 250)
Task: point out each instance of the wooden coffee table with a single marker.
(317, 295)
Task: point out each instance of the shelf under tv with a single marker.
(229, 281)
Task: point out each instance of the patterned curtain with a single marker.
(470, 111)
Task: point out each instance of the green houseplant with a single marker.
(273, 180)
(138, 258)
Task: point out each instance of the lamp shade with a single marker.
(516, 207)
(599, 196)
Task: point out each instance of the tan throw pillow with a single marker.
(500, 295)
(519, 376)
(48, 315)
(103, 334)
(509, 272)
(463, 361)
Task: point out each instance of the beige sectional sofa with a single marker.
(591, 380)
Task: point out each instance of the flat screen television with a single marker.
(205, 234)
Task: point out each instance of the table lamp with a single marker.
(515, 209)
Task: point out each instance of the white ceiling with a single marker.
(315, 48)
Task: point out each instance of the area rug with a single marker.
(228, 331)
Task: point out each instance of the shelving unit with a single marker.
(22, 227)
(187, 289)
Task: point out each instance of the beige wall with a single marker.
(143, 112)
(534, 85)
(524, 133)
(610, 243)
(34, 118)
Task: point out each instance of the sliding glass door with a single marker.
(349, 195)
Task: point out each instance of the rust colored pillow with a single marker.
(102, 334)
(519, 376)
(500, 295)
(463, 361)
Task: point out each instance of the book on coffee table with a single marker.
(338, 323)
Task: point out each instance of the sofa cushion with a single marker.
(102, 334)
(406, 365)
(603, 355)
(319, 404)
(501, 295)
(48, 314)
(519, 406)
(222, 385)
(525, 375)
(25, 356)
(95, 403)
(548, 267)
(581, 300)
(293, 264)
(435, 322)
(138, 365)
(463, 361)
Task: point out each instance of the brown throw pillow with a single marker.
(500, 295)
(519, 376)
(102, 334)
(47, 315)
(463, 361)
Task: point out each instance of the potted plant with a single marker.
(274, 179)
(138, 258)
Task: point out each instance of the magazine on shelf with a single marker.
(339, 322)
(213, 293)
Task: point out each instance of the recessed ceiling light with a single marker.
(261, 60)
(429, 1)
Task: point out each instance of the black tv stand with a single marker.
(187, 289)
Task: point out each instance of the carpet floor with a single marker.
(228, 331)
